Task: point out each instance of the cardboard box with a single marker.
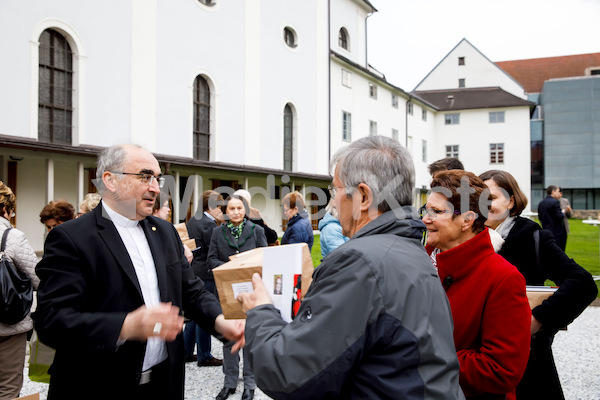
(35, 396)
(537, 294)
(281, 268)
(185, 237)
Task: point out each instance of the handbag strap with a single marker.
(4, 236)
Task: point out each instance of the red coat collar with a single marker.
(462, 259)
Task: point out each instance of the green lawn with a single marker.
(582, 246)
(316, 251)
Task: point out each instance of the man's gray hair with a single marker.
(381, 163)
(112, 158)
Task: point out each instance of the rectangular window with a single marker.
(424, 114)
(409, 108)
(496, 117)
(346, 126)
(346, 78)
(372, 91)
(394, 101)
(461, 61)
(372, 128)
(394, 134)
(452, 119)
(461, 82)
(424, 150)
(452, 151)
(496, 153)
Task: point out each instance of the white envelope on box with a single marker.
(286, 271)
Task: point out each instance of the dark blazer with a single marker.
(201, 230)
(88, 285)
(299, 230)
(223, 244)
(553, 220)
(577, 290)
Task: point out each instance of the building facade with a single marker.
(482, 114)
(254, 94)
(565, 127)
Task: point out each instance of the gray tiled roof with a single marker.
(471, 98)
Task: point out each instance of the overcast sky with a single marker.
(407, 38)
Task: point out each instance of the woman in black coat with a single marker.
(236, 235)
(538, 262)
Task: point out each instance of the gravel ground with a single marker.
(576, 351)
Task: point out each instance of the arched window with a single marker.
(288, 138)
(343, 38)
(55, 90)
(201, 119)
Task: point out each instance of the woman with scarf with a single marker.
(236, 235)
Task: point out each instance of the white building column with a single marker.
(49, 180)
(80, 184)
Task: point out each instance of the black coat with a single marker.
(577, 290)
(223, 244)
(88, 285)
(201, 230)
(553, 220)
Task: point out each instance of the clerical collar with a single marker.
(118, 219)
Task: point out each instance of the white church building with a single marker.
(254, 94)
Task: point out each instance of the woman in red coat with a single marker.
(487, 294)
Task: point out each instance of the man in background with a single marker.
(552, 217)
(200, 229)
(565, 207)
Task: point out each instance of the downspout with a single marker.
(406, 121)
(367, 38)
(329, 81)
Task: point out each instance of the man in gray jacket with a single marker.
(375, 322)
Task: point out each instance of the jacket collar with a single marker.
(401, 222)
(109, 234)
(462, 259)
(246, 233)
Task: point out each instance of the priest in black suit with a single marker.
(113, 284)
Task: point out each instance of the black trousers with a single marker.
(158, 387)
(541, 378)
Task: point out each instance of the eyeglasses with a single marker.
(147, 179)
(333, 190)
(432, 213)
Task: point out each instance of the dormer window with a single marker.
(289, 36)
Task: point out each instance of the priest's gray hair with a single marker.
(110, 159)
(381, 163)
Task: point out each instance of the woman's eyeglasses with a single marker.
(433, 214)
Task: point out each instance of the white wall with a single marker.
(352, 16)
(474, 134)
(478, 71)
